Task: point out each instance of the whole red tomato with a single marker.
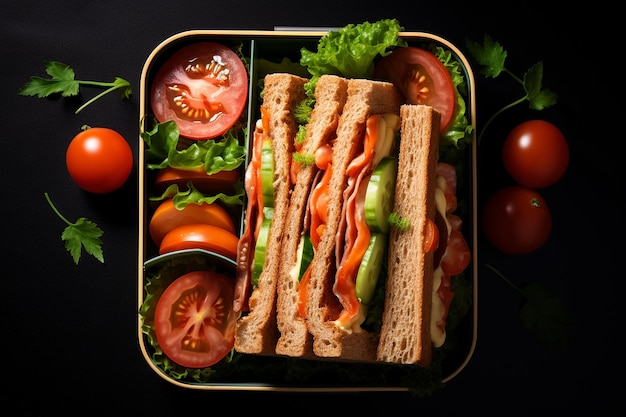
(535, 154)
(99, 160)
(516, 220)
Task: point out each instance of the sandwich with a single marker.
(268, 186)
(313, 259)
(331, 92)
(405, 335)
(328, 290)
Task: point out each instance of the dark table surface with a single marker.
(69, 336)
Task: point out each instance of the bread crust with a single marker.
(365, 97)
(405, 333)
(257, 331)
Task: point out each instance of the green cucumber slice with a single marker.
(370, 267)
(305, 255)
(267, 173)
(259, 250)
(380, 194)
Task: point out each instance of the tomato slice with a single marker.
(203, 87)
(223, 181)
(421, 78)
(194, 320)
(167, 217)
(200, 236)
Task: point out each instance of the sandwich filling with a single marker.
(452, 256)
(359, 234)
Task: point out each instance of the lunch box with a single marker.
(275, 46)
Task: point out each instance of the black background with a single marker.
(69, 335)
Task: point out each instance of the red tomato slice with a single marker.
(194, 321)
(203, 87)
(200, 236)
(421, 78)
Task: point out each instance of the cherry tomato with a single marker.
(99, 160)
(200, 236)
(222, 181)
(516, 220)
(194, 320)
(535, 154)
(421, 78)
(203, 87)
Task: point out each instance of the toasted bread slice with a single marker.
(365, 97)
(257, 331)
(330, 97)
(405, 333)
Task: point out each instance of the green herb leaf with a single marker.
(398, 222)
(491, 56)
(543, 315)
(62, 81)
(81, 234)
(539, 98)
(304, 159)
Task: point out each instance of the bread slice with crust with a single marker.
(257, 332)
(405, 332)
(365, 97)
(330, 96)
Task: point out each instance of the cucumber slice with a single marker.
(267, 173)
(370, 267)
(380, 194)
(305, 255)
(259, 250)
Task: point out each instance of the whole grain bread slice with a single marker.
(330, 97)
(256, 332)
(405, 333)
(365, 97)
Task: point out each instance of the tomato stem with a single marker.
(118, 84)
(508, 106)
(57, 211)
(508, 281)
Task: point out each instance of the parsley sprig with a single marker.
(542, 313)
(81, 234)
(62, 81)
(491, 56)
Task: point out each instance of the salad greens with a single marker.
(491, 56)
(62, 82)
(162, 151)
(215, 156)
(81, 234)
(460, 132)
(350, 51)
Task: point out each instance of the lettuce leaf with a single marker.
(162, 150)
(350, 50)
